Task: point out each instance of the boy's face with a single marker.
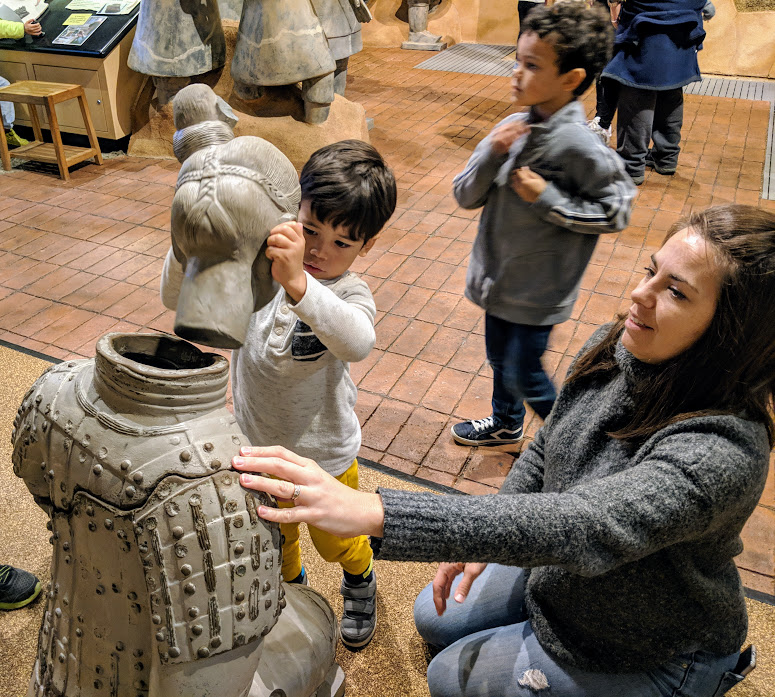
(536, 80)
(329, 251)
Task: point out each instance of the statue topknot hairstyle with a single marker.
(581, 36)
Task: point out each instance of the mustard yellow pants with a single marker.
(353, 553)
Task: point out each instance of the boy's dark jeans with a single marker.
(514, 352)
(649, 115)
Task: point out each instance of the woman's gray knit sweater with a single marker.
(630, 550)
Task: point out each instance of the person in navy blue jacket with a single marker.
(655, 55)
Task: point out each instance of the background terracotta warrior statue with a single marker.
(175, 41)
(230, 9)
(416, 13)
(280, 42)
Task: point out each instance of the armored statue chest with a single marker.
(160, 558)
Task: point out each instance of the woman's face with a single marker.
(675, 302)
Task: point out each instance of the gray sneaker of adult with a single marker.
(359, 619)
(487, 431)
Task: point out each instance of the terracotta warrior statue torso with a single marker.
(165, 582)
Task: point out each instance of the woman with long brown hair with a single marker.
(605, 565)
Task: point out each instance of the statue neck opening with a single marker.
(158, 374)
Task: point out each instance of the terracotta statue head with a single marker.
(201, 118)
(229, 196)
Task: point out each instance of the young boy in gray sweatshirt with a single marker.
(291, 378)
(549, 187)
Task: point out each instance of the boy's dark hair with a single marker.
(581, 36)
(730, 369)
(348, 183)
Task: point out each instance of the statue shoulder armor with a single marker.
(32, 457)
(67, 440)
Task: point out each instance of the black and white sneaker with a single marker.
(489, 431)
(359, 619)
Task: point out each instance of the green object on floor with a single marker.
(17, 587)
(14, 139)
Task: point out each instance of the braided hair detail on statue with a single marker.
(230, 193)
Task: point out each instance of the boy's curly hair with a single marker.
(581, 36)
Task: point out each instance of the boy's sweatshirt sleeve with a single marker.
(11, 30)
(343, 321)
(171, 279)
(472, 185)
(603, 192)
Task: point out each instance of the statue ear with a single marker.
(225, 112)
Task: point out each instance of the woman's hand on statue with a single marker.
(32, 27)
(285, 249)
(442, 583)
(504, 135)
(318, 498)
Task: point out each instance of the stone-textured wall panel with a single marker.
(739, 37)
(739, 43)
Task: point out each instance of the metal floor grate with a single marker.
(488, 59)
(730, 87)
(768, 188)
(479, 59)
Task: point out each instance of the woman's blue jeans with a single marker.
(488, 645)
(514, 352)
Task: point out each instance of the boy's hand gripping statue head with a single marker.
(230, 193)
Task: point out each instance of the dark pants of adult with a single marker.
(646, 116)
(514, 352)
(523, 8)
(607, 94)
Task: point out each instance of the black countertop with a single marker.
(104, 39)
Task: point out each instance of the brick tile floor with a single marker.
(83, 258)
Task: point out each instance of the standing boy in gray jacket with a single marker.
(549, 187)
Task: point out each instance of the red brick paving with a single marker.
(82, 258)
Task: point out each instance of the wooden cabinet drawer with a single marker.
(14, 72)
(68, 113)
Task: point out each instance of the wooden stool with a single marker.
(33, 93)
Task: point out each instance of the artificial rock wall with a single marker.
(458, 21)
(740, 37)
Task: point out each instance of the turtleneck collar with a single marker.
(634, 370)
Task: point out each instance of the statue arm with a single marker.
(171, 279)
(31, 434)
